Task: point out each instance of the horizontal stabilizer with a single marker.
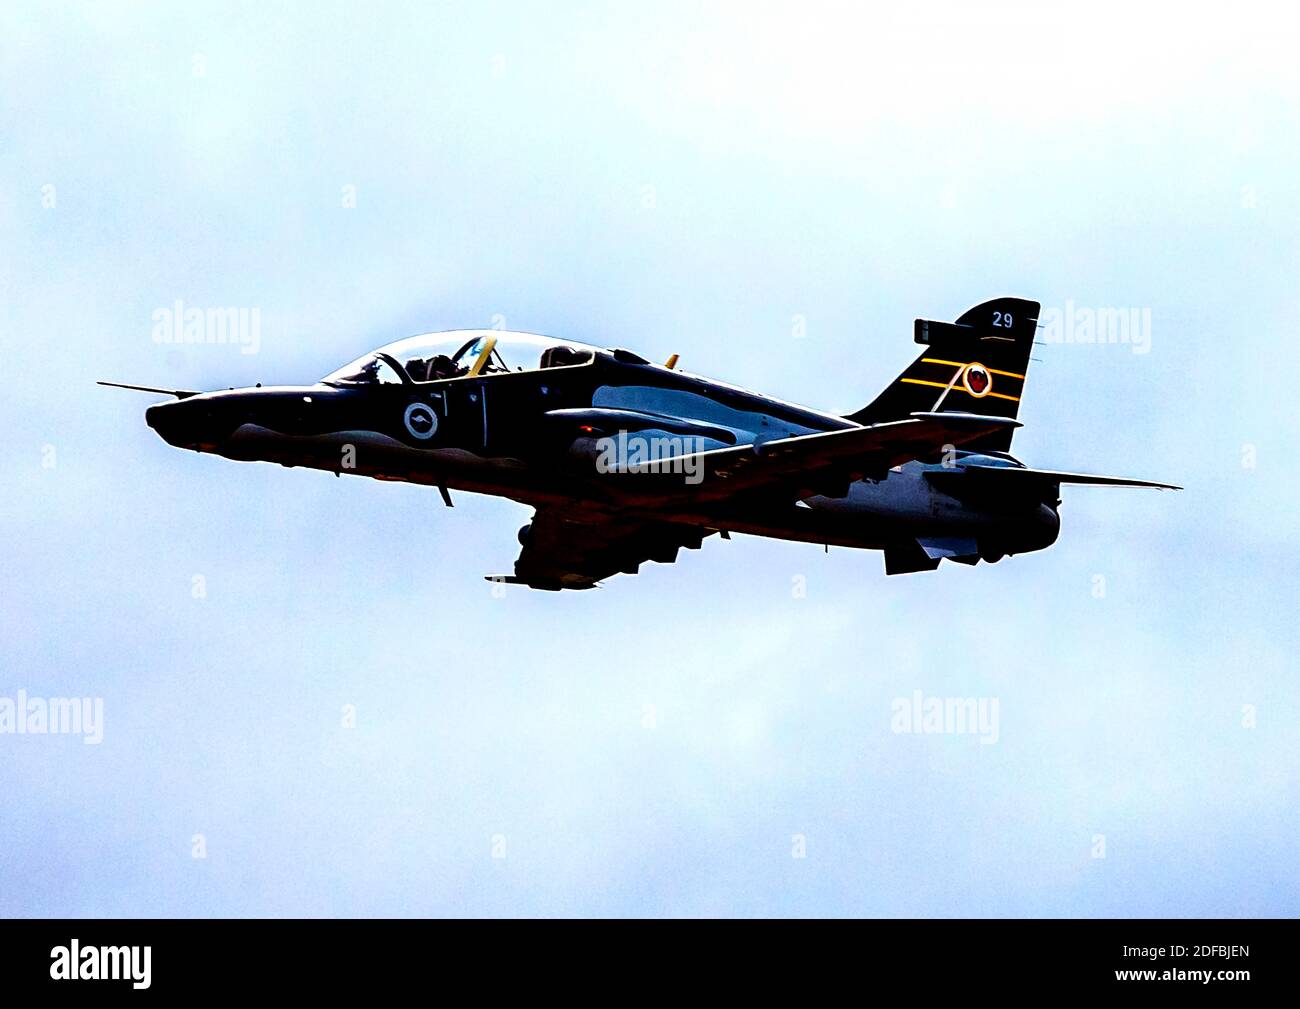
(1099, 481)
(958, 417)
(1011, 477)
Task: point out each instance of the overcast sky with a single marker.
(711, 182)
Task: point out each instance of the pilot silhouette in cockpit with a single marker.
(441, 366)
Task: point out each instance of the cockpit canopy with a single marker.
(436, 356)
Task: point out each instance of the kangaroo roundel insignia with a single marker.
(421, 421)
(978, 381)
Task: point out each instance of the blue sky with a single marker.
(675, 180)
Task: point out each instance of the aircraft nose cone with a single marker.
(185, 423)
(168, 420)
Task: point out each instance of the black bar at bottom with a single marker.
(636, 959)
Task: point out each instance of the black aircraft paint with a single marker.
(627, 461)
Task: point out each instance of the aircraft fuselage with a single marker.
(540, 437)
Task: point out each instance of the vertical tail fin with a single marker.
(975, 365)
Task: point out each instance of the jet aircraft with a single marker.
(626, 461)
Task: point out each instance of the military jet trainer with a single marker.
(627, 461)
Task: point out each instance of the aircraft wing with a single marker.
(825, 462)
(566, 552)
